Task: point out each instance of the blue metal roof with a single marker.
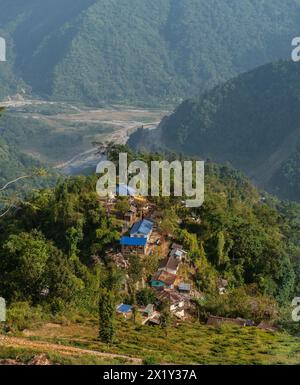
(131, 241)
(124, 308)
(143, 227)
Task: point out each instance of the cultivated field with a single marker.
(186, 343)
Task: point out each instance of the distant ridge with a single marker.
(138, 50)
(251, 122)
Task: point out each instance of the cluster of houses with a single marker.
(167, 283)
(148, 314)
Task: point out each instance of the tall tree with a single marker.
(110, 283)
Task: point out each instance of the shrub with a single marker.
(150, 360)
(21, 315)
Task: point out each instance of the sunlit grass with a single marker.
(186, 343)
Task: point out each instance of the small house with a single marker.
(178, 252)
(130, 245)
(142, 229)
(163, 279)
(154, 321)
(147, 311)
(176, 301)
(131, 215)
(185, 288)
(124, 310)
(170, 265)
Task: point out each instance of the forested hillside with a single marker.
(94, 50)
(12, 162)
(57, 265)
(251, 122)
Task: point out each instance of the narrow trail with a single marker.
(62, 349)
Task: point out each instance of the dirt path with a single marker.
(62, 349)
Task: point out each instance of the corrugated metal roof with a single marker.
(170, 295)
(143, 227)
(124, 308)
(165, 277)
(132, 241)
(184, 287)
(170, 263)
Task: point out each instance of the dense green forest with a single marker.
(95, 50)
(252, 122)
(54, 248)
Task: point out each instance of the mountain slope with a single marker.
(94, 50)
(253, 122)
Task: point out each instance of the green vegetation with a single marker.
(36, 138)
(96, 50)
(28, 356)
(186, 343)
(55, 268)
(250, 122)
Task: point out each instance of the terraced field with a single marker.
(186, 343)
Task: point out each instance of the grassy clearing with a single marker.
(186, 343)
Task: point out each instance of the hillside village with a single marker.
(142, 237)
(173, 282)
(139, 261)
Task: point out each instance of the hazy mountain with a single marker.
(93, 50)
(253, 122)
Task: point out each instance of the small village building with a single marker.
(142, 229)
(130, 245)
(170, 265)
(124, 310)
(163, 279)
(176, 301)
(149, 315)
(149, 310)
(185, 288)
(178, 252)
(131, 215)
(154, 321)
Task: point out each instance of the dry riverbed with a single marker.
(62, 135)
